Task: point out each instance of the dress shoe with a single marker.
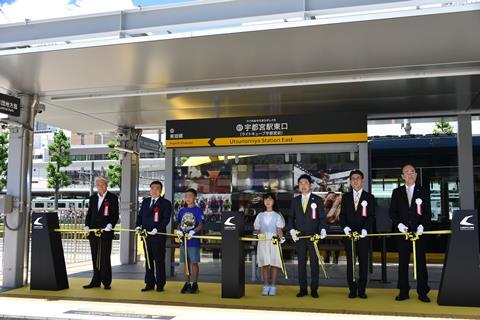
(160, 289)
(148, 288)
(402, 297)
(194, 288)
(362, 295)
(314, 294)
(352, 294)
(90, 286)
(302, 293)
(186, 288)
(424, 298)
(107, 287)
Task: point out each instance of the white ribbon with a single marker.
(419, 202)
(314, 211)
(364, 208)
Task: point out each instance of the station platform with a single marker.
(332, 299)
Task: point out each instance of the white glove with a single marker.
(180, 234)
(402, 228)
(323, 234)
(86, 228)
(108, 227)
(347, 230)
(191, 233)
(138, 228)
(364, 233)
(293, 233)
(419, 229)
(153, 232)
(282, 240)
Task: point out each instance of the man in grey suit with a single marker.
(306, 217)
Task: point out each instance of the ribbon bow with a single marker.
(354, 236)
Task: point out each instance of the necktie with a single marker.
(152, 203)
(304, 204)
(409, 196)
(357, 198)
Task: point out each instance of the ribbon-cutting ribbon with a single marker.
(276, 241)
(143, 234)
(187, 267)
(315, 238)
(413, 237)
(354, 236)
(98, 233)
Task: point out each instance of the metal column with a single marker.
(363, 163)
(130, 160)
(465, 162)
(169, 166)
(16, 232)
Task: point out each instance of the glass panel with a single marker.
(237, 183)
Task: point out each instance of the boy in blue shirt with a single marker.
(190, 223)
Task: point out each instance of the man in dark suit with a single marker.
(410, 212)
(357, 215)
(102, 214)
(154, 216)
(306, 217)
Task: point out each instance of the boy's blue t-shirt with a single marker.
(188, 219)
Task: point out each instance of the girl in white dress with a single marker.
(269, 223)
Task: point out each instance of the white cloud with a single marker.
(20, 10)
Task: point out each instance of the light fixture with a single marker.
(306, 81)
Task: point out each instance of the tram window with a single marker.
(39, 205)
(61, 205)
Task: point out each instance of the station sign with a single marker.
(334, 127)
(9, 105)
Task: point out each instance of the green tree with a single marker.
(3, 159)
(443, 127)
(59, 152)
(114, 171)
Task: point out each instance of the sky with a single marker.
(12, 11)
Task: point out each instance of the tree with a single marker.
(114, 169)
(443, 127)
(59, 152)
(3, 159)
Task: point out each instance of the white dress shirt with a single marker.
(100, 200)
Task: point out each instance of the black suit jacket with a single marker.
(145, 217)
(401, 212)
(95, 218)
(304, 222)
(353, 218)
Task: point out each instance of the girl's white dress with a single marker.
(267, 222)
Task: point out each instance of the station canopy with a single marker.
(235, 58)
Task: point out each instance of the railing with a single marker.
(76, 247)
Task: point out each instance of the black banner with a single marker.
(460, 282)
(233, 255)
(9, 105)
(265, 130)
(48, 270)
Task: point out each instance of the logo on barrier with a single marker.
(228, 224)
(465, 225)
(37, 224)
